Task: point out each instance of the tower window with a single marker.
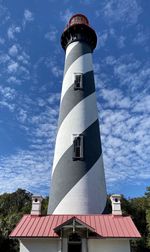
(78, 81)
(78, 147)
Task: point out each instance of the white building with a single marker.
(76, 233)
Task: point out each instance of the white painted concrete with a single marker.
(78, 199)
(82, 65)
(70, 47)
(72, 124)
(36, 205)
(65, 245)
(116, 204)
(94, 245)
(108, 245)
(39, 245)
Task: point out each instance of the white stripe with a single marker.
(70, 47)
(81, 65)
(88, 196)
(78, 119)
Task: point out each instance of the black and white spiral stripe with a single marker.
(78, 187)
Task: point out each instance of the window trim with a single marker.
(75, 146)
(79, 84)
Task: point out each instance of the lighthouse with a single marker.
(75, 219)
(78, 180)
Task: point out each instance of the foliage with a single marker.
(14, 205)
(147, 194)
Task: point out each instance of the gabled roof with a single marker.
(70, 221)
(104, 225)
(76, 224)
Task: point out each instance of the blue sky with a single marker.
(31, 63)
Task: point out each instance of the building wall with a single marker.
(109, 245)
(40, 245)
(94, 245)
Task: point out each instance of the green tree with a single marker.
(12, 207)
(147, 194)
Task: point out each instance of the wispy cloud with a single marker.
(12, 31)
(142, 36)
(121, 41)
(17, 62)
(124, 117)
(24, 165)
(125, 141)
(13, 51)
(66, 15)
(55, 67)
(20, 170)
(13, 67)
(7, 98)
(124, 11)
(28, 17)
(4, 14)
(51, 35)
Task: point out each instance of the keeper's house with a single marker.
(75, 233)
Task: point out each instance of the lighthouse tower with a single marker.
(78, 181)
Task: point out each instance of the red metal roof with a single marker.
(105, 225)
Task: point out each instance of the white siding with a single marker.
(108, 245)
(94, 245)
(39, 245)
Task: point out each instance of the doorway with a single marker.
(74, 247)
(74, 243)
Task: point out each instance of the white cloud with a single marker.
(4, 58)
(13, 79)
(55, 67)
(22, 115)
(142, 105)
(125, 136)
(121, 42)
(25, 169)
(115, 98)
(12, 30)
(24, 58)
(28, 15)
(8, 105)
(7, 92)
(12, 67)
(124, 118)
(66, 15)
(118, 10)
(107, 35)
(102, 39)
(51, 35)
(131, 73)
(40, 130)
(13, 51)
(18, 67)
(4, 14)
(7, 96)
(141, 37)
